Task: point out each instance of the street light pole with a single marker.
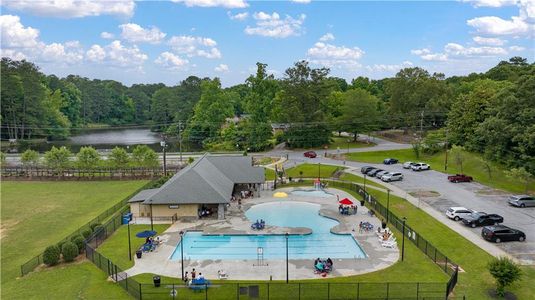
(403, 241)
(164, 144)
(182, 252)
(364, 182)
(129, 243)
(287, 274)
(387, 205)
(151, 222)
(319, 171)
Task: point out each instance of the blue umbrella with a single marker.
(146, 233)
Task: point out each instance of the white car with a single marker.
(457, 213)
(392, 177)
(420, 166)
(408, 164)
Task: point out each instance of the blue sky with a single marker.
(159, 41)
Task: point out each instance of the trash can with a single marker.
(156, 280)
(130, 215)
(139, 253)
(126, 219)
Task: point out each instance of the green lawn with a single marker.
(116, 247)
(472, 166)
(270, 174)
(476, 280)
(38, 214)
(312, 171)
(359, 179)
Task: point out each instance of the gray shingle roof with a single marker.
(208, 180)
(143, 195)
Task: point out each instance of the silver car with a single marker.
(521, 200)
(392, 177)
(380, 174)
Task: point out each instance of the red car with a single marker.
(310, 154)
(460, 178)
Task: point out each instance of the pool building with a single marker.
(209, 183)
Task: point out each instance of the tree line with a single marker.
(490, 113)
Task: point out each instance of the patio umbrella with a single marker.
(146, 233)
(345, 201)
(280, 195)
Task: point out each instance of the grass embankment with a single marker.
(312, 171)
(38, 214)
(347, 142)
(473, 165)
(116, 247)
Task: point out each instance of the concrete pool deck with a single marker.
(236, 223)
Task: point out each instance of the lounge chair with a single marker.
(389, 244)
(222, 274)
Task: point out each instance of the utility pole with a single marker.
(180, 139)
(164, 145)
(446, 154)
(421, 125)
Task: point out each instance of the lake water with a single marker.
(107, 139)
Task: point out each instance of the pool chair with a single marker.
(389, 243)
(222, 274)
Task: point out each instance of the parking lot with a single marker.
(473, 196)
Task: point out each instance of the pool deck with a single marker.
(236, 223)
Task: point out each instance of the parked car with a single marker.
(482, 219)
(390, 161)
(408, 164)
(366, 169)
(392, 177)
(460, 178)
(521, 200)
(457, 213)
(373, 172)
(380, 174)
(501, 233)
(420, 166)
(310, 154)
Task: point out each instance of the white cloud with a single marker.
(19, 42)
(170, 61)
(457, 51)
(389, 68)
(335, 56)
(194, 46)
(96, 53)
(516, 48)
(214, 3)
(490, 3)
(137, 34)
(240, 17)
(116, 54)
(527, 10)
(72, 8)
(107, 35)
(302, 1)
(488, 41)
(15, 35)
(222, 68)
(498, 26)
(327, 37)
(274, 26)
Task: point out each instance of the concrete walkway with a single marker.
(378, 257)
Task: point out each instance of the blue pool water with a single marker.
(313, 193)
(321, 243)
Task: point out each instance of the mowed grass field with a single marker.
(38, 214)
(472, 165)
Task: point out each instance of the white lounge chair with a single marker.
(222, 274)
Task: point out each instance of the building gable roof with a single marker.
(208, 180)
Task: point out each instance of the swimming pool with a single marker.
(320, 243)
(313, 193)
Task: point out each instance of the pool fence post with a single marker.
(287, 274)
(358, 290)
(182, 252)
(129, 243)
(151, 222)
(387, 205)
(403, 240)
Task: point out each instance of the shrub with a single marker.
(94, 225)
(78, 240)
(98, 228)
(86, 233)
(70, 251)
(505, 271)
(51, 255)
(60, 244)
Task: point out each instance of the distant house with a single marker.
(279, 127)
(207, 183)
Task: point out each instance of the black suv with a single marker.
(482, 219)
(366, 169)
(500, 233)
(390, 161)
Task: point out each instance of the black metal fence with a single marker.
(116, 209)
(445, 263)
(40, 173)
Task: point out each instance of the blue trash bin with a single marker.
(126, 219)
(130, 216)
